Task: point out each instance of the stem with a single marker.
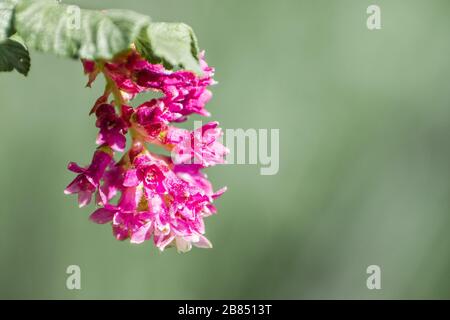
(119, 101)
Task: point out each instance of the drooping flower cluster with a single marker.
(160, 197)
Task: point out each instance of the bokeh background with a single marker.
(364, 119)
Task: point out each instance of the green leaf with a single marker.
(6, 20)
(172, 44)
(67, 30)
(14, 55)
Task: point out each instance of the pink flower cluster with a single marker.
(161, 198)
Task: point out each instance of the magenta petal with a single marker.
(164, 242)
(73, 187)
(84, 198)
(118, 142)
(120, 233)
(72, 166)
(101, 197)
(131, 178)
(102, 216)
(142, 234)
(219, 192)
(100, 139)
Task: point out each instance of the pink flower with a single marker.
(87, 181)
(127, 221)
(153, 117)
(180, 224)
(179, 233)
(112, 184)
(112, 128)
(121, 72)
(198, 147)
(150, 172)
(191, 173)
(185, 92)
(176, 206)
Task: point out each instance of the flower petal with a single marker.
(142, 234)
(102, 216)
(84, 198)
(131, 178)
(203, 242)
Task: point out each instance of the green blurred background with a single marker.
(364, 119)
